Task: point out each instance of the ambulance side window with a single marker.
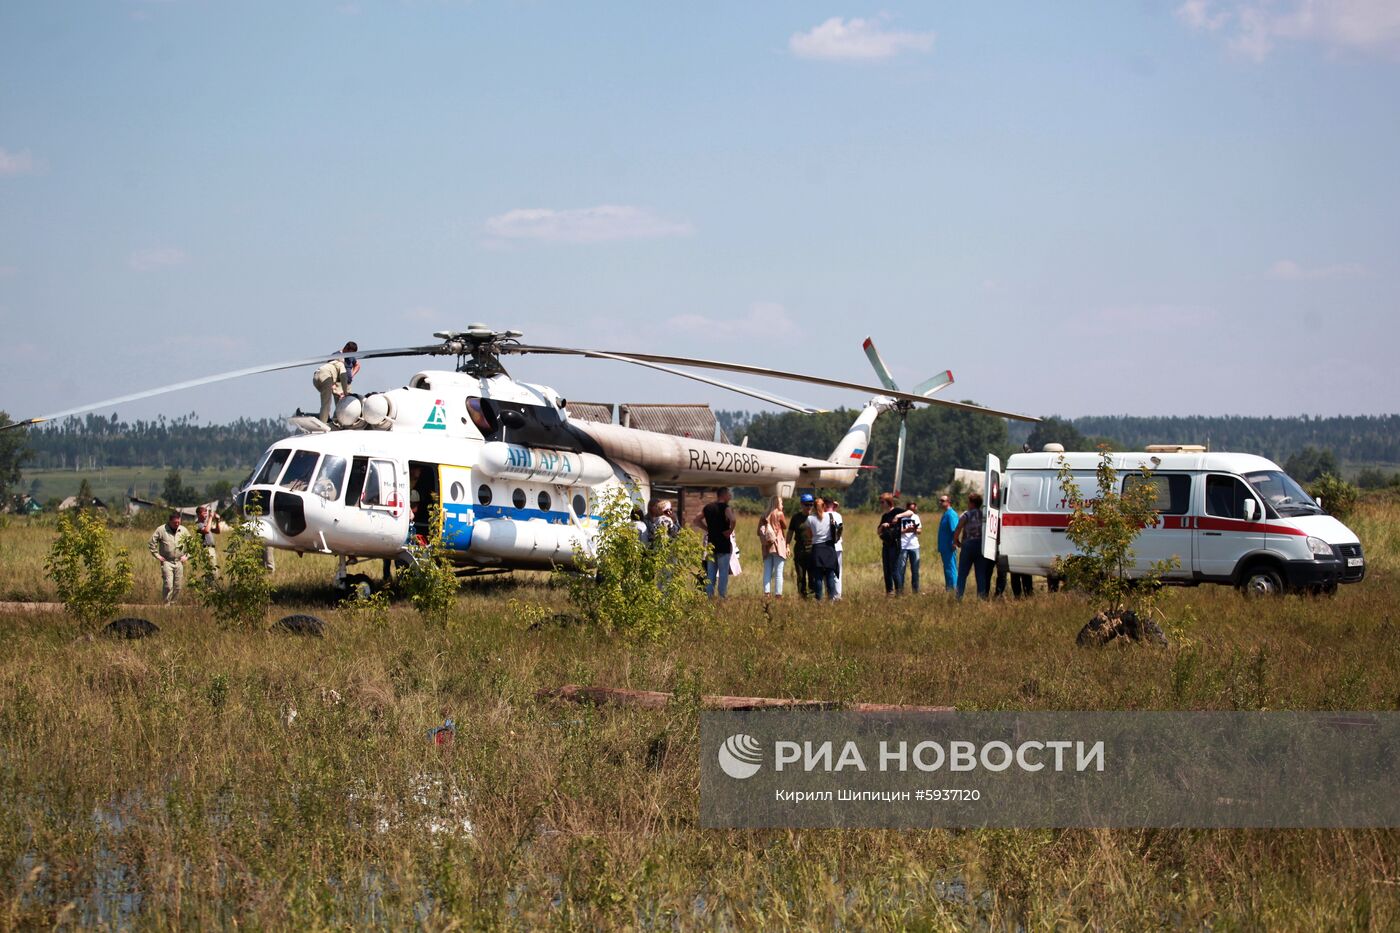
(1173, 491)
(1226, 496)
(1023, 492)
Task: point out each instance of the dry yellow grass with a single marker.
(207, 778)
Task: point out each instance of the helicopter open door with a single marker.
(991, 528)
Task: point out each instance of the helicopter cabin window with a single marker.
(272, 467)
(545, 502)
(371, 483)
(459, 492)
(580, 505)
(356, 484)
(300, 470)
(517, 498)
(483, 494)
(331, 479)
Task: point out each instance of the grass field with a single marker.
(111, 485)
(168, 782)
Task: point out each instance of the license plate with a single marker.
(1355, 561)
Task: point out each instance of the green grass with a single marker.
(163, 783)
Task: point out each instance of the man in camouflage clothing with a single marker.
(166, 547)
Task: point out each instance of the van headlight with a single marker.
(1319, 547)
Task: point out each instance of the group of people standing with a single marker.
(811, 538)
(959, 545)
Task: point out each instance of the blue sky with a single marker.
(1142, 208)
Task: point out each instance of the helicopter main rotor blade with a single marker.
(731, 386)
(881, 369)
(772, 374)
(218, 377)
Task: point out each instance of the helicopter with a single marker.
(519, 482)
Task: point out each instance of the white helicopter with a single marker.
(519, 482)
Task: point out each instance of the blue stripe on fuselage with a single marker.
(458, 519)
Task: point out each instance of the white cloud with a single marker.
(1198, 15)
(1290, 271)
(7, 272)
(765, 320)
(1254, 27)
(840, 39)
(156, 257)
(15, 163)
(584, 225)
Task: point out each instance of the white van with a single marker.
(1227, 518)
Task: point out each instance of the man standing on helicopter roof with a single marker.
(333, 379)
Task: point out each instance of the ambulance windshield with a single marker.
(1283, 493)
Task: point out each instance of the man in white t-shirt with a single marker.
(833, 509)
(909, 529)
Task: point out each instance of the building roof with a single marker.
(692, 420)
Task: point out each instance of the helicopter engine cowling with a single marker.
(349, 411)
(542, 465)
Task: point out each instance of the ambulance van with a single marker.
(1227, 518)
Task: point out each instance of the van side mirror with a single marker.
(1249, 510)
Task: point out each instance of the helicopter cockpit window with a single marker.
(482, 416)
(272, 467)
(520, 423)
(300, 471)
(331, 479)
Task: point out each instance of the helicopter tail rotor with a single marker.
(926, 388)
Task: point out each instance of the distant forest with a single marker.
(939, 440)
(1352, 439)
(97, 442)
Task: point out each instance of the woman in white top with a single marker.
(910, 526)
(823, 557)
(833, 508)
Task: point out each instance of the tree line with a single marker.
(939, 440)
(181, 443)
(1350, 438)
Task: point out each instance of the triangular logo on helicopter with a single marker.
(437, 419)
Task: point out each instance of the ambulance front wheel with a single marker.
(1262, 580)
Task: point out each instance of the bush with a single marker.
(90, 575)
(1103, 530)
(639, 590)
(1335, 494)
(239, 593)
(429, 581)
(1375, 478)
